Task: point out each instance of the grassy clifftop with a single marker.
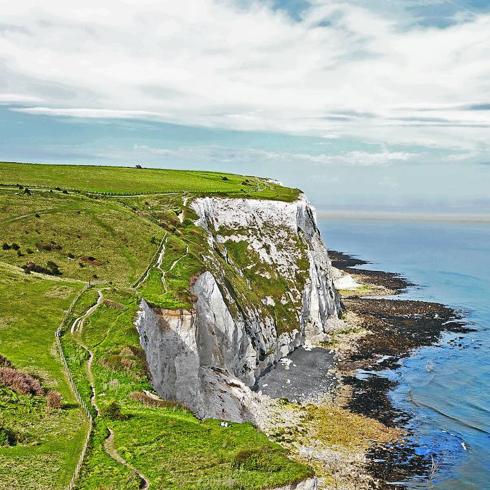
(111, 236)
(125, 180)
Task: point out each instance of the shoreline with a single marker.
(329, 404)
(392, 328)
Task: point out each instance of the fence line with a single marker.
(59, 332)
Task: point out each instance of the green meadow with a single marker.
(126, 234)
(126, 180)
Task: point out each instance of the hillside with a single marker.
(80, 248)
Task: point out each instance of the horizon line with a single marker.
(482, 218)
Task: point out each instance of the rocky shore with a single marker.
(384, 330)
(330, 404)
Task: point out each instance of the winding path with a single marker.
(110, 449)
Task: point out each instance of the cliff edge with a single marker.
(266, 288)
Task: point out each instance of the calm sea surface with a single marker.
(446, 387)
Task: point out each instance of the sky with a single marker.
(379, 105)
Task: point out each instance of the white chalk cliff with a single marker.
(267, 289)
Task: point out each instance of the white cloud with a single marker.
(339, 70)
(246, 156)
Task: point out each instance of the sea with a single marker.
(445, 387)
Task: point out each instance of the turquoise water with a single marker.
(445, 387)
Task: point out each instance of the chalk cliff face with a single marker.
(267, 289)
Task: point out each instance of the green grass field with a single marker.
(125, 180)
(101, 232)
(31, 308)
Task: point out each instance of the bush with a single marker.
(48, 246)
(4, 362)
(15, 246)
(113, 412)
(6, 246)
(20, 382)
(52, 268)
(54, 399)
(7, 437)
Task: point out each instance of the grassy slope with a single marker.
(31, 308)
(123, 235)
(125, 180)
(168, 445)
(76, 228)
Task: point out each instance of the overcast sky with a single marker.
(364, 104)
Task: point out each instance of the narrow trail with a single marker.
(174, 263)
(157, 257)
(110, 449)
(77, 325)
(78, 396)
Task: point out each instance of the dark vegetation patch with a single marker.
(51, 268)
(7, 437)
(113, 412)
(88, 259)
(4, 362)
(48, 246)
(20, 382)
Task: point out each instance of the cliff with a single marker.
(265, 288)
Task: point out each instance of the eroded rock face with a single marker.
(208, 358)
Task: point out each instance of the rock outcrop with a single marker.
(267, 289)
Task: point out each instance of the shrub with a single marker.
(7, 437)
(15, 246)
(30, 251)
(48, 246)
(6, 246)
(113, 412)
(54, 268)
(20, 382)
(4, 362)
(54, 399)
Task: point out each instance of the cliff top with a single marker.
(134, 181)
(80, 247)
